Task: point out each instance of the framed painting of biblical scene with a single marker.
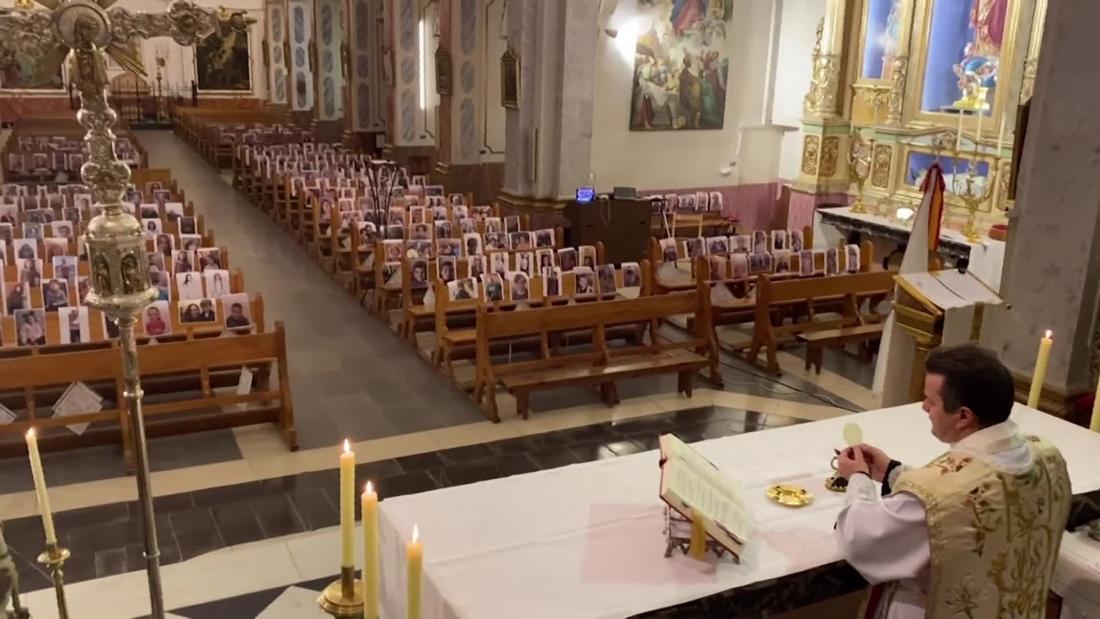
(22, 72)
(222, 61)
(967, 56)
(885, 26)
(681, 65)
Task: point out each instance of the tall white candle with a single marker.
(40, 487)
(347, 506)
(959, 134)
(1001, 136)
(981, 115)
(369, 500)
(1037, 379)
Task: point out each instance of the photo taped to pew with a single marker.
(519, 286)
(605, 278)
(585, 282)
(237, 310)
(197, 311)
(494, 287)
(74, 325)
(462, 289)
(551, 282)
(567, 259)
(30, 327)
(156, 319)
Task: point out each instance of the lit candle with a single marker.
(40, 487)
(369, 501)
(1040, 371)
(981, 115)
(1001, 136)
(414, 560)
(959, 134)
(347, 506)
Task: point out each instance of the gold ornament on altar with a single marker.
(859, 168)
(789, 495)
(971, 194)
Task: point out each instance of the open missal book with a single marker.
(692, 484)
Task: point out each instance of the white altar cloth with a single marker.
(586, 540)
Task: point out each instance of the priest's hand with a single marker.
(877, 461)
(852, 461)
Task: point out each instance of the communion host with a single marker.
(974, 533)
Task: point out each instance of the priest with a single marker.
(974, 533)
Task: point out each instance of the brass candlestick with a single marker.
(971, 196)
(859, 168)
(54, 558)
(343, 597)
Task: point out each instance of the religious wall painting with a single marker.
(681, 65)
(882, 35)
(222, 62)
(963, 55)
(25, 72)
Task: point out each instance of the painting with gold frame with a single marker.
(223, 61)
(884, 29)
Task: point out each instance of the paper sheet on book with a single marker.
(694, 480)
(951, 289)
(78, 399)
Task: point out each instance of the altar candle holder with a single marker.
(54, 558)
(343, 597)
(676, 540)
(859, 169)
(971, 196)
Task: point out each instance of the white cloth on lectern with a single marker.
(886, 538)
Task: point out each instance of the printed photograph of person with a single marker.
(544, 258)
(717, 245)
(717, 265)
(525, 262)
(544, 238)
(188, 225)
(155, 319)
(420, 232)
(446, 267)
(435, 191)
(520, 241)
(695, 247)
(32, 230)
(55, 247)
(632, 274)
(443, 229)
(448, 247)
(782, 261)
(74, 325)
(498, 263)
(84, 286)
(161, 196)
(567, 259)
(760, 263)
(605, 277)
(520, 288)
(493, 224)
(832, 261)
(496, 241)
(741, 243)
(15, 297)
(55, 294)
(216, 282)
(184, 261)
(189, 285)
(472, 242)
(795, 240)
(551, 282)
(61, 229)
(687, 202)
(396, 216)
(418, 274)
(588, 256)
(190, 242)
(494, 287)
(161, 280)
(206, 311)
(460, 210)
(585, 281)
(759, 242)
(512, 224)
(64, 267)
(420, 249)
(668, 249)
(851, 261)
(391, 273)
(393, 250)
(149, 211)
(806, 266)
(467, 225)
(457, 198)
(475, 266)
(395, 232)
(779, 240)
(462, 289)
(739, 266)
(238, 313)
(173, 211)
(82, 201)
(152, 227)
(702, 201)
(71, 214)
(30, 273)
(367, 233)
(30, 327)
(209, 258)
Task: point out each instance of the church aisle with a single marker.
(350, 376)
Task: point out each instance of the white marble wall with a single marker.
(1053, 256)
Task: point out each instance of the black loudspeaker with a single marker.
(622, 224)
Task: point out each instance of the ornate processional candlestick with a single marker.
(114, 240)
(971, 195)
(859, 168)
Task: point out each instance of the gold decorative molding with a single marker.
(811, 145)
(830, 149)
(880, 172)
(821, 99)
(899, 70)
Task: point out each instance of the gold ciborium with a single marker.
(973, 196)
(859, 168)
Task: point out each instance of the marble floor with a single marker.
(234, 498)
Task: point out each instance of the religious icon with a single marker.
(102, 274)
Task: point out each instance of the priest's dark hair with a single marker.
(975, 378)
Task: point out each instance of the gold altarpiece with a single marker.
(905, 76)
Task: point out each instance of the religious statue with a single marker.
(977, 71)
(132, 282)
(102, 274)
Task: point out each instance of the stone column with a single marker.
(549, 136)
(469, 159)
(365, 111)
(1052, 259)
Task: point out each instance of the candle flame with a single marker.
(370, 488)
(30, 433)
(347, 446)
(416, 533)
(1049, 332)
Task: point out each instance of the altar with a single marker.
(586, 541)
(986, 255)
